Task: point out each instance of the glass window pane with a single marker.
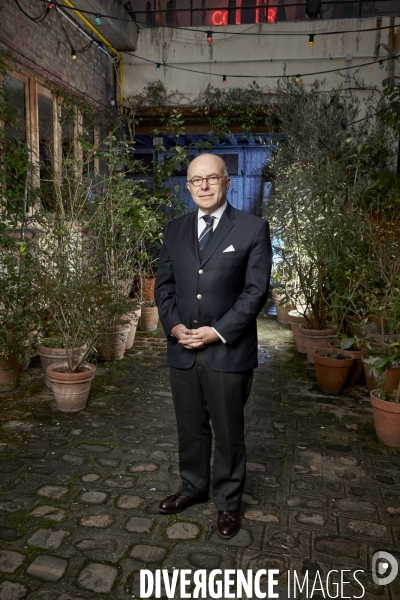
(67, 132)
(232, 162)
(16, 94)
(45, 116)
(88, 134)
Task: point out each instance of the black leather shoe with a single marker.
(228, 523)
(176, 503)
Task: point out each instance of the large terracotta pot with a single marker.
(10, 370)
(296, 319)
(149, 318)
(391, 377)
(71, 390)
(112, 341)
(133, 318)
(316, 338)
(357, 370)
(386, 420)
(49, 356)
(332, 372)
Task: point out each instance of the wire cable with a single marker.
(230, 33)
(258, 76)
(38, 19)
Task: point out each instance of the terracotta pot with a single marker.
(391, 377)
(112, 341)
(315, 338)
(10, 370)
(296, 319)
(149, 318)
(148, 284)
(133, 318)
(332, 372)
(49, 356)
(282, 313)
(357, 370)
(71, 390)
(386, 420)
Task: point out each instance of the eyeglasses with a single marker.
(211, 179)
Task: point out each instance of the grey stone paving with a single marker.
(79, 492)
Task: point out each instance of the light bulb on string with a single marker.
(381, 65)
(224, 79)
(311, 40)
(49, 6)
(98, 19)
(158, 66)
(209, 37)
(73, 54)
(298, 77)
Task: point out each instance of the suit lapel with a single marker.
(191, 235)
(222, 230)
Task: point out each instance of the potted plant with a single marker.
(385, 400)
(332, 368)
(350, 346)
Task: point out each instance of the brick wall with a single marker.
(42, 49)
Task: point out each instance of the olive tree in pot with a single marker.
(78, 303)
(126, 217)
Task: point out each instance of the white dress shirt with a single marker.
(201, 224)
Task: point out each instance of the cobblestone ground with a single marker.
(79, 492)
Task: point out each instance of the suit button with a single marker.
(195, 321)
(199, 296)
(200, 271)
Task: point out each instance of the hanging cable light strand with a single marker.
(228, 33)
(38, 19)
(258, 76)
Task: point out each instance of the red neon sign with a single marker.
(219, 17)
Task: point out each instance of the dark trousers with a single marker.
(200, 393)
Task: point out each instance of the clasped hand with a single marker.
(194, 338)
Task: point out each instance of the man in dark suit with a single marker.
(212, 282)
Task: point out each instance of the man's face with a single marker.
(208, 196)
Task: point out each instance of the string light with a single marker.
(225, 33)
(297, 79)
(311, 40)
(258, 76)
(49, 6)
(381, 64)
(209, 37)
(158, 66)
(73, 54)
(98, 19)
(224, 79)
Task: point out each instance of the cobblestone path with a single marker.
(79, 492)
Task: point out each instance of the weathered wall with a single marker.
(42, 49)
(262, 55)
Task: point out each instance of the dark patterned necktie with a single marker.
(206, 234)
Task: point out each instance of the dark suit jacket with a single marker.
(226, 290)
